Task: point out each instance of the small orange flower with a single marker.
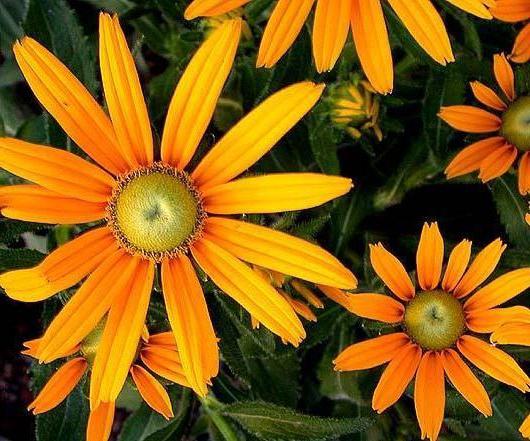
(495, 155)
(438, 326)
(514, 11)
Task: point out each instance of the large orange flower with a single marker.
(493, 156)
(333, 19)
(438, 325)
(154, 212)
(514, 11)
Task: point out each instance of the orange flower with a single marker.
(156, 213)
(438, 326)
(333, 19)
(513, 11)
(493, 156)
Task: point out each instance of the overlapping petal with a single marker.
(152, 391)
(376, 307)
(210, 8)
(429, 258)
(456, 265)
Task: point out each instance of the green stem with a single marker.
(212, 406)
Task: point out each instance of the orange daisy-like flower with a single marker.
(437, 327)
(157, 352)
(333, 18)
(155, 212)
(493, 156)
(514, 11)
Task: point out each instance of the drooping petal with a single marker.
(494, 362)
(521, 48)
(396, 377)
(279, 251)
(392, 272)
(371, 353)
(59, 386)
(487, 96)
(190, 321)
(165, 361)
(33, 345)
(68, 101)
(211, 8)
(525, 427)
(307, 294)
(337, 295)
(274, 193)
(523, 174)
(465, 382)
(488, 320)
(497, 163)
(512, 334)
(429, 257)
(63, 268)
(100, 422)
(511, 10)
(32, 203)
(285, 23)
(256, 134)
(475, 7)
(258, 297)
(470, 119)
(152, 391)
(504, 75)
(162, 339)
(456, 265)
(197, 92)
(57, 170)
(367, 20)
(481, 268)
(123, 93)
(376, 307)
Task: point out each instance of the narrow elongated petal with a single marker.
(100, 422)
(481, 268)
(521, 48)
(475, 7)
(337, 295)
(497, 163)
(122, 333)
(256, 134)
(63, 268)
(59, 386)
(465, 382)
(525, 427)
(488, 320)
(330, 31)
(258, 297)
(279, 251)
(190, 321)
(371, 353)
(376, 307)
(33, 203)
(123, 93)
(456, 265)
(470, 158)
(68, 101)
(396, 377)
(162, 339)
(165, 361)
(211, 8)
(512, 334)
(32, 348)
(523, 174)
(429, 395)
(57, 170)
(274, 193)
(196, 95)
(429, 257)
(367, 20)
(152, 391)
(511, 10)
(391, 271)
(284, 25)
(494, 362)
(487, 96)
(307, 294)
(470, 119)
(504, 75)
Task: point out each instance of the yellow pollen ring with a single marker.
(156, 212)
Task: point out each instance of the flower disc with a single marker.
(516, 124)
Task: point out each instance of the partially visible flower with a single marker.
(436, 325)
(212, 23)
(514, 11)
(510, 132)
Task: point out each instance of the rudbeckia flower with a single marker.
(333, 19)
(154, 212)
(157, 352)
(514, 11)
(439, 323)
(509, 130)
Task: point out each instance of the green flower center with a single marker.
(516, 123)
(434, 319)
(155, 212)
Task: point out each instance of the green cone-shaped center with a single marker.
(516, 123)
(434, 320)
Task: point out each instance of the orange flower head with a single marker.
(440, 324)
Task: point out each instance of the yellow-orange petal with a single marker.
(197, 92)
(465, 382)
(152, 391)
(123, 93)
(396, 377)
(337, 295)
(504, 75)
(59, 385)
(480, 269)
(190, 321)
(256, 134)
(165, 361)
(279, 251)
(511, 10)
(500, 290)
(68, 101)
(456, 265)
(57, 170)
(470, 119)
(391, 271)
(525, 427)
(521, 48)
(162, 339)
(376, 307)
(274, 193)
(512, 334)
(257, 296)
(284, 25)
(367, 20)
(100, 422)
(429, 257)
(488, 320)
(307, 294)
(487, 96)
(33, 203)
(211, 8)
(371, 353)
(31, 347)
(494, 362)
(470, 158)
(497, 163)
(523, 174)
(480, 8)
(301, 308)
(63, 268)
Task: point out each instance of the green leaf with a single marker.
(19, 258)
(12, 14)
